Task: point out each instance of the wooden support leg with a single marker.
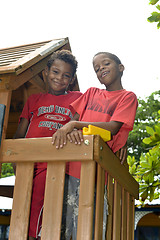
(110, 207)
(99, 203)
(5, 98)
(21, 201)
(117, 212)
(130, 217)
(124, 215)
(53, 203)
(86, 201)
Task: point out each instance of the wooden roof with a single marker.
(22, 64)
(18, 59)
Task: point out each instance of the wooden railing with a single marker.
(94, 155)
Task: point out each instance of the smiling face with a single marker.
(59, 76)
(108, 71)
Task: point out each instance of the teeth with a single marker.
(104, 74)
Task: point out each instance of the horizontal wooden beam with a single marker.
(42, 150)
(39, 83)
(111, 163)
(93, 148)
(6, 191)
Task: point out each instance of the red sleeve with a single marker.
(80, 104)
(126, 110)
(29, 107)
(25, 112)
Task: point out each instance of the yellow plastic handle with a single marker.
(92, 130)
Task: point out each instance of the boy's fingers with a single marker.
(80, 135)
(69, 137)
(123, 155)
(76, 137)
(62, 141)
(53, 139)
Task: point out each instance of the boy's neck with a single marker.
(120, 87)
(57, 94)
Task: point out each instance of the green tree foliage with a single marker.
(155, 16)
(147, 115)
(147, 170)
(7, 170)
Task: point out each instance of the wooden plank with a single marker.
(39, 83)
(6, 191)
(112, 165)
(2, 115)
(19, 80)
(13, 81)
(117, 212)
(110, 187)
(5, 99)
(4, 82)
(22, 48)
(99, 203)
(53, 203)
(133, 216)
(130, 217)
(41, 149)
(124, 215)
(86, 201)
(21, 201)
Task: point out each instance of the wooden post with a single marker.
(86, 201)
(130, 217)
(21, 202)
(117, 212)
(110, 208)
(99, 203)
(5, 98)
(124, 215)
(53, 201)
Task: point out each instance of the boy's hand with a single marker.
(122, 154)
(75, 136)
(59, 138)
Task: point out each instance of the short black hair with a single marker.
(111, 56)
(66, 56)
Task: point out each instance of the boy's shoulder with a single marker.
(74, 93)
(35, 96)
(129, 93)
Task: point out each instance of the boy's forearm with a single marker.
(112, 126)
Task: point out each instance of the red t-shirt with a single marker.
(97, 105)
(46, 113)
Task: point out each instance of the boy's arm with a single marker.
(22, 128)
(20, 133)
(60, 137)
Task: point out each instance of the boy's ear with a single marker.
(72, 79)
(121, 67)
(46, 71)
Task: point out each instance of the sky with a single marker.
(118, 26)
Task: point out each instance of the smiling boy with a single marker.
(112, 108)
(42, 115)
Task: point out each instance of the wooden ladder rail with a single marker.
(121, 191)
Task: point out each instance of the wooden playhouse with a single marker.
(21, 74)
